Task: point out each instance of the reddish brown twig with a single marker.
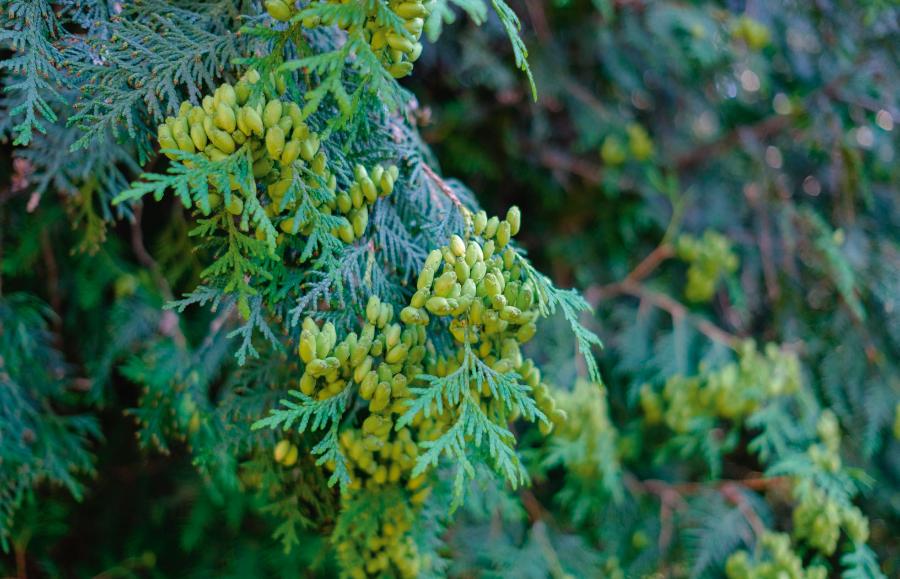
(538, 20)
(169, 325)
(649, 264)
(655, 486)
(52, 278)
(592, 172)
(732, 493)
(21, 562)
(595, 294)
(533, 507)
(442, 185)
(560, 161)
(671, 498)
(758, 130)
(764, 236)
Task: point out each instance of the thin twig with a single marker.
(1, 252)
(539, 532)
(732, 493)
(671, 498)
(536, 511)
(561, 161)
(144, 257)
(442, 185)
(169, 325)
(631, 286)
(667, 504)
(217, 323)
(538, 20)
(52, 278)
(759, 130)
(655, 486)
(592, 172)
(21, 562)
(764, 237)
(649, 264)
(595, 294)
(587, 97)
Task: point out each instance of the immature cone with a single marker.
(284, 152)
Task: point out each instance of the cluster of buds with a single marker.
(286, 155)
(397, 47)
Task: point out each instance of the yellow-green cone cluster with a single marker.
(710, 258)
(281, 10)
(819, 517)
(286, 453)
(380, 361)
(733, 392)
(639, 148)
(285, 154)
(391, 553)
(397, 50)
(776, 560)
(478, 284)
(587, 422)
(490, 307)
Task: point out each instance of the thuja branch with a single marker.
(445, 189)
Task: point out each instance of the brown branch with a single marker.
(534, 508)
(52, 278)
(670, 495)
(595, 294)
(586, 97)
(862, 101)
(1, 252)
(144, 257)
(671, 498)
(539, 533)
(538, 20)
(669, 501)
(592, 172)
(21, 562)
(442, 185)
(649, 264)
(732, 493)
(873, 354)
(561, 161)
(169, 325)
(759, 130)
(218, 323)
(656, 486)
(764, 239)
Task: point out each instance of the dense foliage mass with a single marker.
(248, 329)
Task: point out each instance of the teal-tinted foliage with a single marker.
(242, 312)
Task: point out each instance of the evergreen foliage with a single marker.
(247, 328)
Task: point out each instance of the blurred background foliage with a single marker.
(708, 173)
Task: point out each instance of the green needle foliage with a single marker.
(242, 312)
(710, 173)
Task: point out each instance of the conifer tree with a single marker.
(249, 327)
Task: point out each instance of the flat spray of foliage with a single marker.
(223, 235)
